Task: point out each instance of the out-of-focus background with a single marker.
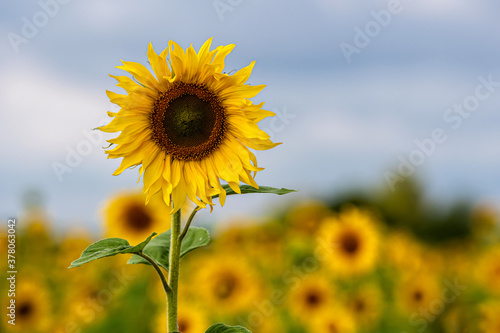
(388, 114)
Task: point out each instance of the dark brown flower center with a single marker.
(418, 295)
(226, 286)
(183, 325)
(313, 298)
(188, 121)
(350, 243)
(332, 328)
(137, 218)
(25, 310)
(359, 305)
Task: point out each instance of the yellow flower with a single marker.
(269, 324)
(402, 251)
(33, 306)
(488, 270)
(310, 297)
(306, 217)
(191, 319)
(335, 320)
(190, 126)
(418, 292)
(490, 320)
(365, 305)
(126, 216)
(350, 242)
(227, 283)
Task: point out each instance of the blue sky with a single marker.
(344, 121)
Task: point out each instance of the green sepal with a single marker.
(262, 189)
(159, 248)
(221, 328)
(109, 247)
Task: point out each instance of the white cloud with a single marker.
(42, 112)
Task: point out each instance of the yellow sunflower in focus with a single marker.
(350, 242)
(33, 309)
(228, 284)
(189, 125)
(126, 216)
(311, 297)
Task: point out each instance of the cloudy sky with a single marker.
(361, 89)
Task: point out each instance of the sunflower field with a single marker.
(394, 264)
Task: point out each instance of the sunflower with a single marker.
(365, 304)
(310, 297)
(402, 251)
(305, 218)
(228, 284)
(270, 324)
(350, 242)
(32, 303)
(490, 321)
(418, 292)
(335, 320)
(190, 126)
(488, 270)
(126, 216)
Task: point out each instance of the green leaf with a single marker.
(158, 249)
(221, 328)
(262, 189)
(109, 247)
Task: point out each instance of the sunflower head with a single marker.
(33, 305)
(417, 291)
(365, 304)
(126, 216)
(311, 297)
(229, 284)
(351, 240)
(188, 126)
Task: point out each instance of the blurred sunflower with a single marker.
(71, 247)
(365, 305)
(191, 319)
(305, 218)
(310, 297)
(417, 291)
(488, 269)
(402, 251)
(350, 241)
(33, 306)
(490, 319)
(190, 126)
(126, 216)
(270, 324)
(227, 283)
(335, 320)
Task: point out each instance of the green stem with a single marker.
(173, 272)
(188, 223)
(158, 270)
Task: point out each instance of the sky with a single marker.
(366, 93)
